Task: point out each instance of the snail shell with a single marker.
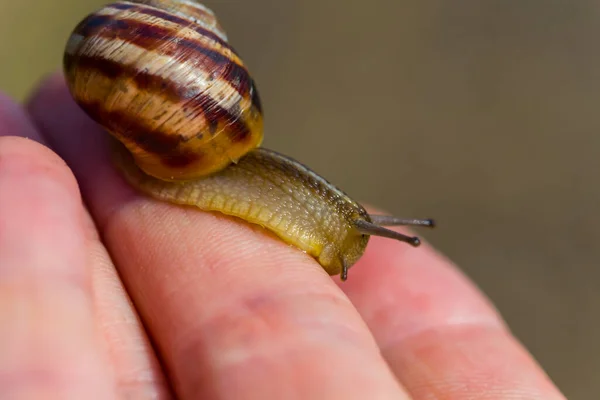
(161, 78)
(165, 83)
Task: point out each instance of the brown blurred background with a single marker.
(481, 113)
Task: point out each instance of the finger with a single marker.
(136, 372)
(14, 121)
(136, 369)
(440, 335)
(48, 343)
(234, 313)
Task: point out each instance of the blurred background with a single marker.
(480, 113)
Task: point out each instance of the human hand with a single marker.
(92, 297)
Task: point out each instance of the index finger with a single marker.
(234, 313)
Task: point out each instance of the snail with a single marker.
(161, 78)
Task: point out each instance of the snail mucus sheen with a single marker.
(161, 78)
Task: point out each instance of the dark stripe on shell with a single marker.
(122, 6)
(195, 101)
(167, 16)
(163, 144)
(166, 42)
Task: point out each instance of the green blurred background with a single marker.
(481, 113)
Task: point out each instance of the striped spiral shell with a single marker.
(160, 76)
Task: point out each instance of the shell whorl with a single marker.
(161, 77)
(190, 10)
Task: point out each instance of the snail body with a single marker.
(161, 78)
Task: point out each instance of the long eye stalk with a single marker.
(378, 221)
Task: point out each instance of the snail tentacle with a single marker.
(369, 228)
(344, 273)
(390, 220)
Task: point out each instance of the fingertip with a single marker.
(67, 129)
(45, 94)
(50, 104)
(14, 120)
(71, 132)
(50, 83)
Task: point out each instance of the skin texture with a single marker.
(249, 318)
